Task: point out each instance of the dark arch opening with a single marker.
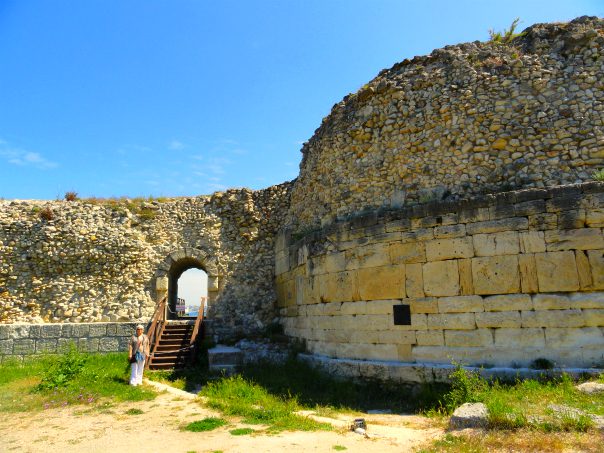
(176, 271)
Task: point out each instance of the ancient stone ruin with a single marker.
(446, 211)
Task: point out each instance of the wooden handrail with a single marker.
(157, 321)
(198, 323)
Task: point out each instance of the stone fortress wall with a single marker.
(391, 208)
(499, 280)
(99, 262)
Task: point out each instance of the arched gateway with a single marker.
(172, 339)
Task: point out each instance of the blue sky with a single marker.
(172, 98)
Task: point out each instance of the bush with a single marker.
(466, 387)
(47, 214)
(506, 36)
(63, 371)
(71, 196)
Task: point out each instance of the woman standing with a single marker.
(138, 352)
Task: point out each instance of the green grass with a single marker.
(339, 448)
(207, 424)
(242, 431)
(134, 411)
(103, 377)
(599, 175)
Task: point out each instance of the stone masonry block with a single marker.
(88, 344)
(414, 281)
(578, 239)
(551, 302)
(450, 231)
(583, 270)
(553, 318)
(527, 265)
(372, 255)
(422, 304)
(573, 338)
(397, 337)
(496, 274)
(98, 330)
(593, 317)
(473, 215)
(80, 330)
(354, 308)
(24, 346)
(6, 347)
(430, 337)
(380, 307)
(498, 319)
(508, 302)
(18, 331)
(495, 226)
(466, 285)
(441, 278)
(407, 252)
(338, 287)
(48, 345)
(4, 331)
(460, 304)
(334, 262)
(519, 338)
(557, 271)
(385, 282)
(532, 241)
(446, 249)
(587, 300)
(360, 336)
(531, 207)
(109, 345)
(543, 221)
(468, 338)
(453, 321)
(575, 218)
(505, 243)
(594, 218)
(596, 262)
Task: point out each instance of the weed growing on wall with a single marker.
(507, 35)
(599, 175)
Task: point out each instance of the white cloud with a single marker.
(176, 145)
(24, 158)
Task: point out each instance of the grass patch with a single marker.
(134, 411)
(207, 424)
(27, 386)
(242, 431)
(339, 448)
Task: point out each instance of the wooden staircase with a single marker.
(173, 349)
(173, 342)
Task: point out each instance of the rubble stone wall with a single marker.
(502, 280)
(98, 260)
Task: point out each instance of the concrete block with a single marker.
(466, 284)
(498, 319)
(573, 338)
(460, 304)
(422, 304)
(594, 317)
(430, 337)
(553, 318)
(407, 252)
(441, 278)
(557, 271)
(457, 321)
(529, 282)
(385, 282)
(446, 249)
(519, 338)
(469, 338)
(596, 262)
(508, 302)
(532, 241)
(505, 243)
(578, 239)
(551, 302)
(496, 274)
(587, 300)
(414, 281)
(495, 226)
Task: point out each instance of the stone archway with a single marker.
(171, 268)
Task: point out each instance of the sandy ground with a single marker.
(158, 429)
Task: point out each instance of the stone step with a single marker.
(224, 359)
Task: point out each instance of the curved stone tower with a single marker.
(467, 119)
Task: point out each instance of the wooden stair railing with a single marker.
(157, 326)
(196, 330)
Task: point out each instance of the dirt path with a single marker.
(157, 429)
